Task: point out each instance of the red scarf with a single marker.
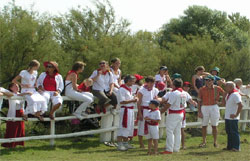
(146, 87)
(126, 87)
(231, 93)
(103, 73)
(179, 89)
(72, 71)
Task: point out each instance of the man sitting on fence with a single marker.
(127, 102)
(208, 109)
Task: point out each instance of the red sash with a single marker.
(231, 93)
(125, 116)
(178, 112)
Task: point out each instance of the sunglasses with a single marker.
(102, 63)
(49, 66)
(209, 80)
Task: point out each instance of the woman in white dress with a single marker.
(117, 74)
(72, 91)
(36, 104)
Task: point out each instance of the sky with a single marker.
(147, 15)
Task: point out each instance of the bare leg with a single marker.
(149, 146)
(141, 141)
(155, 146)
(204, 134)
(183, 138)
(215, 131)
(54, 108)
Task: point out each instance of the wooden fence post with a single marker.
(106, 122)
(52, 130)
(244, 112)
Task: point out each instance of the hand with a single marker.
(232, 116)
(195, 103)
(146, 118)
(55, 93)
(136, 99)
(1, 94)
(200, 114)
(40, 90)
(29, 93)
(99, 72)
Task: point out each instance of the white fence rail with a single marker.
(109, 124)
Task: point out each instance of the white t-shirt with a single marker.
(28, 78)
(232, 105)
(148, 95)
(103, 81)
(15, 105)
(116, 77)
(154, 115)
(125, 95)
(178, 100)
(159, 78)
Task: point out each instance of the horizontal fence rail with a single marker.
(109, 124)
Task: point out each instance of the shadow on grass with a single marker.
(205, 153)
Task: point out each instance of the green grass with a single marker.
(89, 149)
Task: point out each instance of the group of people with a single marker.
(152, 97)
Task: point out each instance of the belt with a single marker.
(125, 116)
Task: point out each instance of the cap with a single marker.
(155, 102)
(138, 77)
(161, 86)
(216, 69)
(187, 84)
(163, 68)
(209, 77)
(176, 75)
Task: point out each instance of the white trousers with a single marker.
(129, 131)
(49, 95)
(35, 102)
(173, 131)
(141, 124)
(86, 97)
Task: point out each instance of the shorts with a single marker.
(153, 132)
(211, 113)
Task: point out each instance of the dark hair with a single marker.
(128, 78)
(178, 82)
(115, 60)
(10, 86)
(199, 68)
(78, 65)
(150, 79)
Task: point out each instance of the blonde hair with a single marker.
(88, 80)
(33, 63)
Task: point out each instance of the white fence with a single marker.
(109, 124)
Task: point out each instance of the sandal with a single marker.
(202, 145)
(25, 117)
(40, 118)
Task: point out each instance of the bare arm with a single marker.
(165, 108)
(73, 78)
(139, 105)
(194, 84)
(238, 111)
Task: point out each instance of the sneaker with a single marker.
(77, 115)
(121, 148)
(128, 146)
(166, 152)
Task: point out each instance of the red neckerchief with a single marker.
(231, 93)
(103, 73)
(179, 89)
(238, 87)
(72, 71)
(154, 109)
(146, 87)
(126, 87)
(52, 76)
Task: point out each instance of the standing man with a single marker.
(127, 102)
(232, 115)
(208, 109)
(176, 107)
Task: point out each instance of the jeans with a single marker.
(233, 136)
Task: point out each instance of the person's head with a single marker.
(178, 83)
(116, 63)
(199, 70)
(88, 82)
(176, 76)
(139, 79)
(215, 71)
(209, 80)
(238, 82)
(103, 65)
(154, 104)
(163, 70)
(186, 86)
(33, 65)
(78, 66)
(129, 80)
(230, 86)
(150, 81)
(51, 67)
(13, 87)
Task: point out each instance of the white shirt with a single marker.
(159, 78)
(147, 96)
(135, 88)
(125, 95)
(154, 115)
(178, 100)
(166, 96)
(1, 98)
(58, 79)
(103, 81)
(116, 77)
(28, 78)
(232, 105)
(15, 105)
